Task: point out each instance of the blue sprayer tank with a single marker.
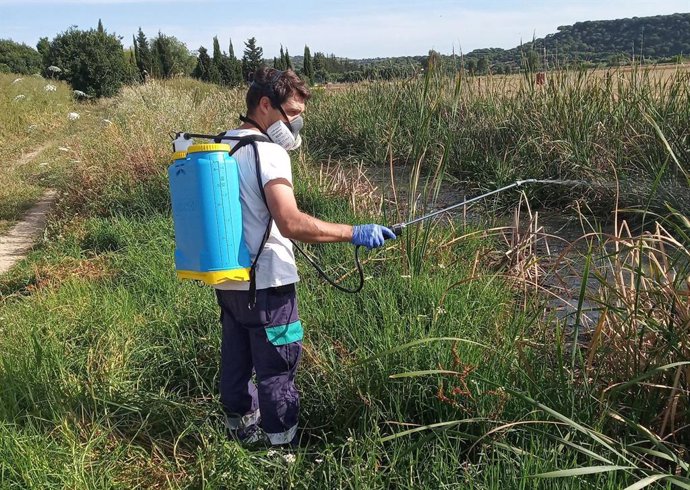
(207, 215)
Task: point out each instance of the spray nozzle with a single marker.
(526, 181)
(398, 229)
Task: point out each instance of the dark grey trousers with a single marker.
(267, 341)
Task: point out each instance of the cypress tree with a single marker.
(234, 68)
(252, 59)
(145, 61)
(162, 54)
(308, 65)
(281, 62)
(101, 30)
(203, 66)
(132, 69)
(217, 55)
(319, 62)
(217, 64)
(287, 64)
(135, 48)
(43, 48)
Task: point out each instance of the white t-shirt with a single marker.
(276, 266)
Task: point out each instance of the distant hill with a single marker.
(656, 38)
(609, 42)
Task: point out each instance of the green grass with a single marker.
(33, 119)
(109, 364)
(118, 375)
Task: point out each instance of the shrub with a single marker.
(91, 61)
(18, 58)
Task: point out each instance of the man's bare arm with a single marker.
(295, 224)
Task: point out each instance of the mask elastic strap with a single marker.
(248, 120)
(288, 124)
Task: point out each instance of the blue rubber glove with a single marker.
(371, 236)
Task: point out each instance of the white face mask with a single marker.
(287, 137)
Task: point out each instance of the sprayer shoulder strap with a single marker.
(251, 140)
(241, 142)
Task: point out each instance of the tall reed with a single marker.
(497, 129)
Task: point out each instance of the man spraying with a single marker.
(262, 332)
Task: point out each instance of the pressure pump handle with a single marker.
(398, 229)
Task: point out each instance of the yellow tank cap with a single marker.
(179, 155)
(208, 147)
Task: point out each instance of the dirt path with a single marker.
(29, 157)
(18, 241)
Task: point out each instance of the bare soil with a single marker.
(15, 244)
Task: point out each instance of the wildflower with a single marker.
(289, 458)
(79, 94)
(20, 97)
(17, 80)
(73, 116)
(54, 69)
(50, 88)
(318, 460)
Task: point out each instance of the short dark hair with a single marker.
(277, 85)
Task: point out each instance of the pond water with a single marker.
(551, 237)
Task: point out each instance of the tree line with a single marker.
(95, 61)
(655, 39)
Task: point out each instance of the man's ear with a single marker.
(264, 105)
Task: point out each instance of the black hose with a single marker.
(330, 281)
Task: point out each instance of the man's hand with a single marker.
(371, 236)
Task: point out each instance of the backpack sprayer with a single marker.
(207, 212)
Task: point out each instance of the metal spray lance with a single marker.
(400, 227)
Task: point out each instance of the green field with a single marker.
(446, 371)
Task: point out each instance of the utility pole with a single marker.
(642, 48)
(455, 65)
(633, 53)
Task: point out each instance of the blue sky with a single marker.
(350, 28)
